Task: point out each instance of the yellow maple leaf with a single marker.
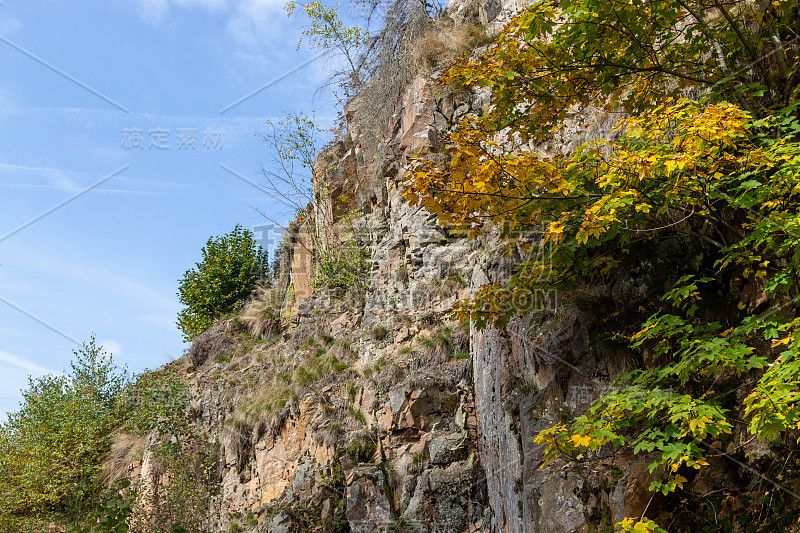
(581, 440)
(785, 340)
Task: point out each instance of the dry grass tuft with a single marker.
(262, 315)
(236, 437)
(210, 344)
(440, 45)
(126, 450)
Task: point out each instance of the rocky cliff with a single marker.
(422, 424)
(387, 437)
(376, 412)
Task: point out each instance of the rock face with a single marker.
(420, 424)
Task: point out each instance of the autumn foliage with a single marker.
(704, 153)
(51, 449)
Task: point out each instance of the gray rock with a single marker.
(280, 523)
(446, 449)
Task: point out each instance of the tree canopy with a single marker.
(232, 264)
(50, 449)
(704, 154)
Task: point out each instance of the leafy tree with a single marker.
(717, 175)
(294, 140)
(340, 260)
(232, 264)
(552, 62)
(326, 31)
(51, 449)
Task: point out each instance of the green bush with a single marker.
(56, 452)
(51, 450)
(343, 265)
(158, 399)
(232, 265)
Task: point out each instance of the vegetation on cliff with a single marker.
(706, 166)
(698, 171)
(65, 456)
(232, 264)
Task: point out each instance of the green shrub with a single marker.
(159, 400)
(61, 449)
(461, 354)
(343, 265)
(344, 262)
(231, 266)
(379, 333)
(352, 391)
(51, 450)
(304, 375)
(357, 415)
(426, 341)
(360, 451)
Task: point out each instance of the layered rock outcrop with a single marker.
(377, 413)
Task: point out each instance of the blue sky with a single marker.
(108, 262)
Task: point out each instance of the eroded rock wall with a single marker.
(421, 424)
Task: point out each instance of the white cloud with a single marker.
(209, 5)
(152, 11)
(96, 284)
(103, 281)
(14, 378)
(19, 362)
(252, 63)
(257, 22)
(112, 347)
(57, 178)
(9, 25)
(8, 105)
(166, 320)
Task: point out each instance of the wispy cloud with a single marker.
(9, 25)
(257, 22)
(209, 5)
(54, 188)
(93, 117)
(66, 75)
(56, 179)
(154, 11)
(112, 347)
(61, 204)
(104, 281)
(19, 362)
(165, 320)
(8, 104)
